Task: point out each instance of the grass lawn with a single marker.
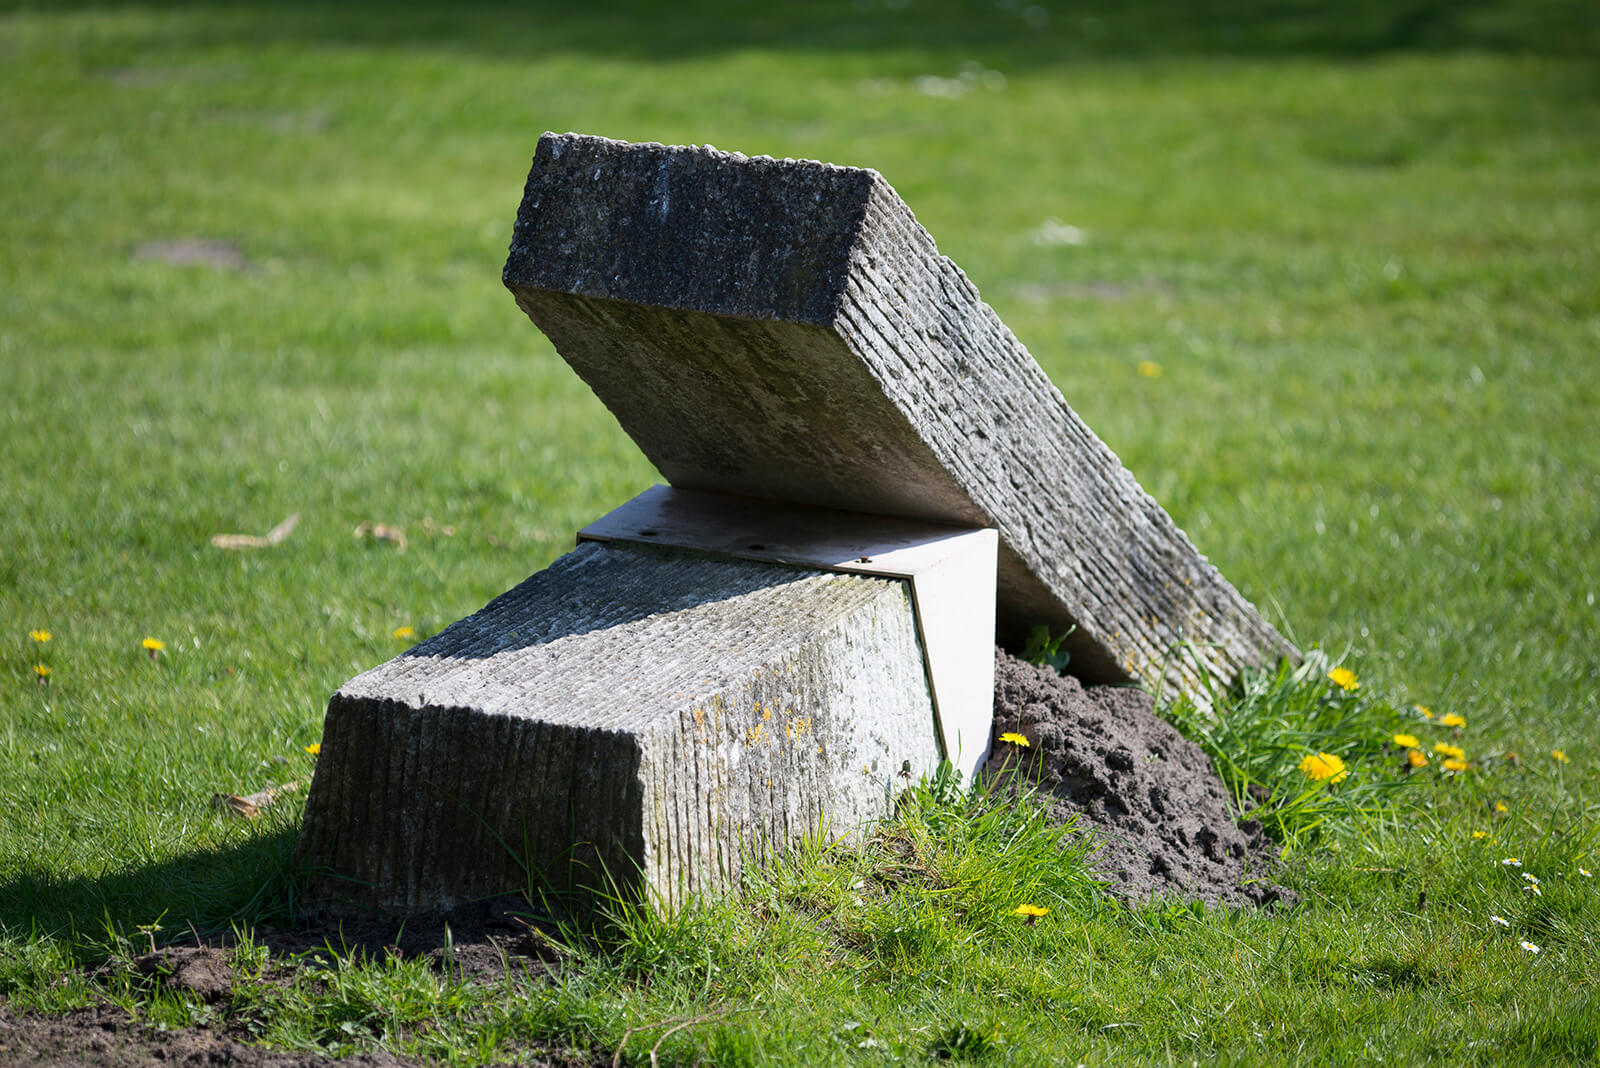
(1328, 282)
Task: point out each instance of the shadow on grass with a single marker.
(247, 883)
(1013, 34)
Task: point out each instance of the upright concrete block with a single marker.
(785, 329)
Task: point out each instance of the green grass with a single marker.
(1362, 245)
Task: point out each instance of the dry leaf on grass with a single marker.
(250, 806)
(436, 528)
(274, 536)
(382, 532)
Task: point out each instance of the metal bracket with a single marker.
(951, 572)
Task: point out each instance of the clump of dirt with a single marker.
(1163, 819)
(200, 971)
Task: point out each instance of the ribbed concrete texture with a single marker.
(785, 329)
(630, 716)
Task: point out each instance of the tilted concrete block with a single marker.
(785, 329)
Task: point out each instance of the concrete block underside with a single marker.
(629, 718)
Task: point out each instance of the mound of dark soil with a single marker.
(198, 971)
(1165, 824)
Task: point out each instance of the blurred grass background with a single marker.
(1326, 277)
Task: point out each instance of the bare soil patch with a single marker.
(105, 1037)
(191, 252)
(476, 943)
(480, 943)
(1165, 823)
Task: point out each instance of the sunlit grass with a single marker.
(1360, 247)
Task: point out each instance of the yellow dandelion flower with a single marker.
(1416, 759)
(1479, 835)
(154, 645)
(1324, 766)
(1455, 765)
(1015, 739)
(1500, 806)
(1406, 741)
(1150, 369)
(1427, 713)
(40, 636)
(42, 670)
(1030, 911)
(1345, 679)
(315, 748)
(1450, 719)
(1560, 756)
(1454, 752)
(405, 632)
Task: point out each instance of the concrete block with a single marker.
(641, 716)
(785, 329)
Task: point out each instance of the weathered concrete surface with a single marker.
(642, 715)
(785, 329)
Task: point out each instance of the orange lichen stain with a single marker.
(798, 727)
(754, 734)
(699, 715)
(819, 750)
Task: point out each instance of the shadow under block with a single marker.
(785, 329)
(631, 716)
